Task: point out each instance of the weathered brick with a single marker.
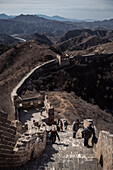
(12, 131)
(9, 139)
(6, 151)
(3, 146)
(12, 127)
(7, 142)
(7, 134)
(4, 128)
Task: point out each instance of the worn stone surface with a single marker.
(66, 154)
(104, 150)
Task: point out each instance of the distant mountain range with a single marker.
(30, 24)
(56, 17)
(4, 16)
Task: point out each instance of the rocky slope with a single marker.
(105, 48)
(71, 107)
(82, 32)
(81, 42)
(29, 24)
(3, 48)
(93, 82)
(83, 39)
(41, 39)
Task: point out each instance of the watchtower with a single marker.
(64, 60)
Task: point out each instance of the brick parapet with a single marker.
(15, 153)
(104, 150)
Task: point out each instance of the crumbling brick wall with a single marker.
(29, 146)
(15, 153)
(49, 109)
(104, 150)
(7, 140)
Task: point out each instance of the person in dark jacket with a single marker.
(65, 124)
(53, 134)
(87, 133)
(60, 125)
(75, 127)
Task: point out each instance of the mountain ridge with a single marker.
(30, 24)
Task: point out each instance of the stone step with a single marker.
(67, 154)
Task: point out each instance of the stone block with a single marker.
(6, 142)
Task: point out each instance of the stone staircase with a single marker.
(66, 154)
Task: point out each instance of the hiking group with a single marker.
(87, 133)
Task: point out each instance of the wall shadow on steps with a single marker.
(42, 160)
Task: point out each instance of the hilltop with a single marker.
(81, 43)
(83, 39)
(41, 39)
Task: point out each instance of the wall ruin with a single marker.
(50, 110)
(16, 149)
(104, 150)
(25, 82)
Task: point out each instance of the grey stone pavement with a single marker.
(66, 154)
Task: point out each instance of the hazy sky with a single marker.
(78, 9)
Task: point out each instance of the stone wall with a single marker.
(37, 101)
(29, 146)
(50, 110)
(104, 150)
(7, 140)
(63, 60)
(19, 145)
(15, 148)
(25, 82)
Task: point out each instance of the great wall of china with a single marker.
(19, 142)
